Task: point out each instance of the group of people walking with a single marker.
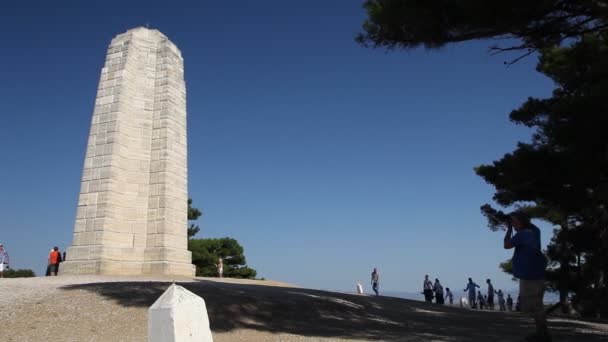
(529, 266)
(435, 291)
(487, 301)
(475, 298)
(432, 290)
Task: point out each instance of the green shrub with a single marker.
(11, 273)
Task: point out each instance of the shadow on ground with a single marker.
(315, 313)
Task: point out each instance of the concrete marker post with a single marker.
(178, 315)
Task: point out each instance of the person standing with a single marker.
(490, 301)
(48, 265)
(54, 260)
(449, 295)
(427, 289)
(509, 303)
(480, 300)
(501, 300)
(517, 306)
(471, 289)
(438, 292)
(529, 265)
(375, 281)
(4, 260)
(220, 267)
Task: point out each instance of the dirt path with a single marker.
(98, 308)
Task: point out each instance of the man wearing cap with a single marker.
(4, 260)
(529, 265)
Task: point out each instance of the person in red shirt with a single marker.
(54, 260)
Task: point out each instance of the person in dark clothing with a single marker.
(438, 289)
(490, 301)
(471, 289)
(501, 301)
(480, 300)
(509, 303)
(376, 281)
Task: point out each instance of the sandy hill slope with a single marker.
(113, 308)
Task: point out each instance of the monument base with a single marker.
(107, 260)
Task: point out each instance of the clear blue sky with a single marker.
(323, 158)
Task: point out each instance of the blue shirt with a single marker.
(471, 288)
(528, 260)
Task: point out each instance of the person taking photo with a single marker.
(529, 265)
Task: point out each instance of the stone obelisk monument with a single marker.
(132, 209)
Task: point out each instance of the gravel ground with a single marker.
(114, 308)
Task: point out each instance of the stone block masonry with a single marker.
(132, 209)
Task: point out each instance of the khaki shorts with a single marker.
(531, 294)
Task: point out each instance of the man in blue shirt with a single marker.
(471, 289)
(529, 265)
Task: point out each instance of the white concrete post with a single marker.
(464, 302)
(178, 315)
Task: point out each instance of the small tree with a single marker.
(206, 252)
(193, 215)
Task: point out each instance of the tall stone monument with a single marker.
(132, 209)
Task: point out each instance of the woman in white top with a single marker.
(4, 260)
(220, 267)
(427, 289)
